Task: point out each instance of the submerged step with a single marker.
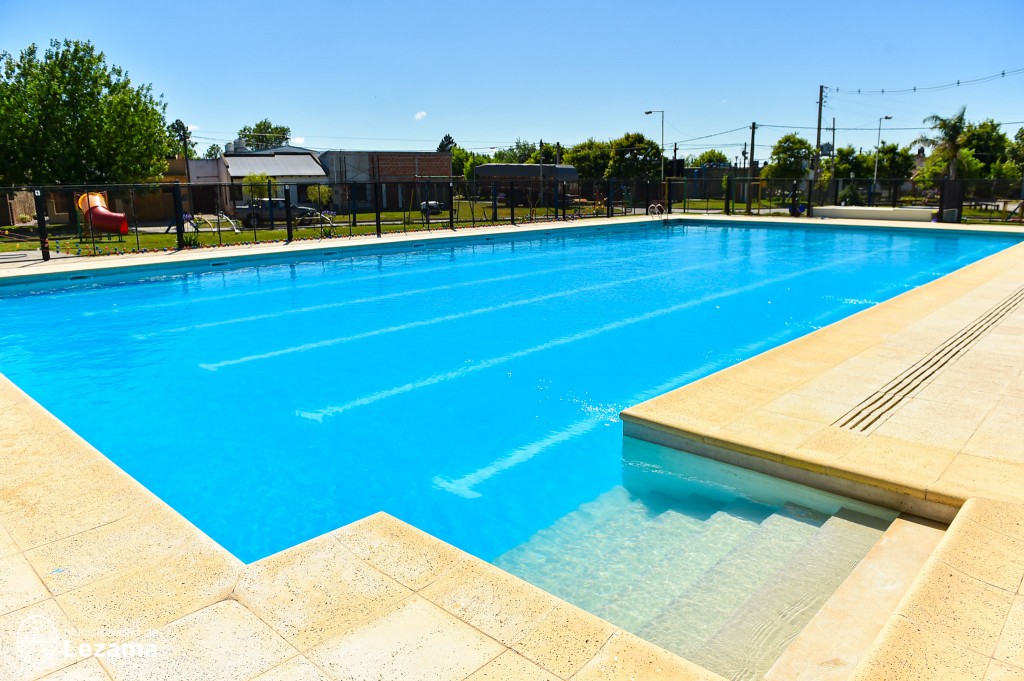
(691, 619)
(751, 640)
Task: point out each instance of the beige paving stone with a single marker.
(32, 642)
(132, 602)
(1011, 641)
(959, 415)
(896, 464)
(149, 535)
(65, 503)
(221, 641)
(565, 640)
(932, 433)
(7, 545)
(701, 411)
(295, 669)
(417, 640)
(500, 605)
(937, 392)
(406, 554)
(993, 441)
(820, 450)
(849, 391)
(316, 590)
(766, 433)
(626, 657)
(1008, 412)
(807, 408)
(861, 605)
(972, 476)
(510, 666)
(19, 584)
(999, 671)
(958, 607)
(984, 554)
(1005, 518)
(86, 670)
(905, 651)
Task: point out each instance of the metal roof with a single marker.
(274, 165)
(527, 170)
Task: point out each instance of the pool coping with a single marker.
(61, 501)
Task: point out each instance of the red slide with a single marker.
(94, 206)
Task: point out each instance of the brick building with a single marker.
(406, 177)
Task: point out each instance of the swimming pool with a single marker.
(470, 388)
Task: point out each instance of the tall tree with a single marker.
(179, 140)
(69, 118)
(634, 156)
(549, 153)
(265, 135)
(791, 156)
(590, 158)
(519, 152)
(447, 143)
(711, 156)
(948, 138)
(894, 162)
(254, 186)
(213, 151)
(988, 143)
(1015, 150)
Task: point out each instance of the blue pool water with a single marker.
(469, 388)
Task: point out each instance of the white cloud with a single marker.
(298, 140)
(420, 115)
(192, 126)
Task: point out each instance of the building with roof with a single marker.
(405, 176)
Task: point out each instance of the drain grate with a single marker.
(877, 407)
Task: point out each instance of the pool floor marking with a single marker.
(376, 299)
(318, 415)
(881, 404)
(404, 271)
(214, 366)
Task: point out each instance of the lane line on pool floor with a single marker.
(214, 366)
(318, 415)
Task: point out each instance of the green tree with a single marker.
(447, 143)
(940, 165)
(254, 186)
(791, 156)
(1015, 150)
(549, 153)
(634, 156)
(471, 164)
(460, 157)
(988, 143)
(1007, 171)
(894, 162)
(69, 118)
(317, 194)
(590, 158)
(519, 152)
(948, 138)
(213, 151)
(265, 135)
(179, 140)
(709, 157)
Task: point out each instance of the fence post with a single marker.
(512, 201)
(451, 206)
(376, 205)
(564, 189)
(352, 207)
(608, 201)
(44, 245)
(288, 210)
(494, 201)
(728, 194)
(179, 222)
(668, 195)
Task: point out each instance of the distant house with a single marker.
(293, 167)
(405, 176)
(518, 182)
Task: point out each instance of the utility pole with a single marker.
(816, 161)
(753, 166)
(675, 151)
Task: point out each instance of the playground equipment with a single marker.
(94, 206)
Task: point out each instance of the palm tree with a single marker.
(949, 137)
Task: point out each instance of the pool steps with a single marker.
(743, 563)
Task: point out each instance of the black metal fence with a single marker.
(167, 216)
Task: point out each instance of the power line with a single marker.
(933, 88)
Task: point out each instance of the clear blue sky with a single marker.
(399, 75)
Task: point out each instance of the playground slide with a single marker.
(94, 206)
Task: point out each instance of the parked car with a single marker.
(433, 207)
(257, 212)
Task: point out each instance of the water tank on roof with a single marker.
(229, 148)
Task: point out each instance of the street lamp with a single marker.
(662, 148)
(878, 142)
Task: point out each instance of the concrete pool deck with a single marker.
(89, 556)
